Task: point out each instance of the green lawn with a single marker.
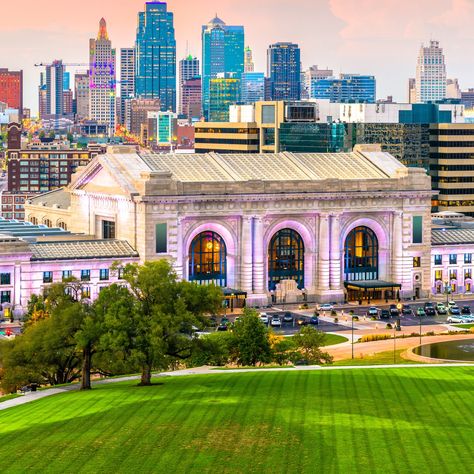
(333, 339)
(382, 358)
(340, 421)
(464, 326)
(4, 398)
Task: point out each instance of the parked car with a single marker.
(441, 309)
(406, 310)
(420, 312)
(455, 319)
(301, 321)
(314, 321)
(385, 314)
(326, 307)
(430, 311)
(466, 310)
(276, 322)
(454, 311)
(451, 304)
(394, 311)
(264, 318)
(372, 312)
(467, 319)
(288, 318)
(222, 327)
(429, 304)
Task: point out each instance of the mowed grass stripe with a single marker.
(401, 420)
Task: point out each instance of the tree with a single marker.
(162, 316)
(252, 339)
(309, 342)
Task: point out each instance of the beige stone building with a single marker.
(341, 226)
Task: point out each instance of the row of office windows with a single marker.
(453, 275)
(104, 275)
(453, 259)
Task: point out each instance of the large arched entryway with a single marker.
(286, 258)
(361, 255)
(208, 259)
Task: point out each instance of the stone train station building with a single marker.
(281, 227)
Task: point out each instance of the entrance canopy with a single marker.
(371, 285)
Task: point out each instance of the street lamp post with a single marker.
(352, 318)
(394, 344)
(420, 327)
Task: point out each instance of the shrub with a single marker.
(333, 313)
(389, 326)
(431, 333)
(355, 318)
(336, 320)
(375, 337)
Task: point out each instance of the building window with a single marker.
(86, 292)
(286, 258)
(5, 279)
(67, 274)
(468, 274)
(85, 275)
(104, 274)
(453, 259)
(453, 275)
(5, 297)
(468, 258)
(47, 277)
(438, 260)
(208, 259)
(361, 255)
(439, 275)
(108, 230)
(416, 262)
(120, 273)
(268, 114)
(161, 238)
(417, 229)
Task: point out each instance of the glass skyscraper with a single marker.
(224, 92)
(156, 55)
(284, 71)
(348, 88)
(222, 53)
(253, 87)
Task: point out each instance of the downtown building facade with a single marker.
(11, 89)
(222, 56)
(127, 82)
(431, 77)
(102, 76)
(348, 88)
(155, 50)
(284, 72)
(189, 70)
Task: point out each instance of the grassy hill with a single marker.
(342, 421)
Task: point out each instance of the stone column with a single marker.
(324, 255)
(180, 250)
(259, 284)
(397, 245)
(335, 266)
(246, 266)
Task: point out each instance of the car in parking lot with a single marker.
(420, 312)
(373, 312)
(302, 321)
(326, 307)
(468, 319)
(454, 311)
(441, 309)
(466, 310)
(406, 310)
(222, 327)
(430, 311)
(288, 318)
(314, 321)
(264, 318)
(385, 314)
(455, 319)
(451, 304)
(394, 311)
(275, 322)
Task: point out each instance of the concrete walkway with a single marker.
(33, 396)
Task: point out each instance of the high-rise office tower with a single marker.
(412, 90)
(224, 92)
(431, 73)
(284, 71)
(249, 65)
(127, 81)
(347, 88)
(188, 69)
(11, 89)
(156, 55)
(191, 98)
(102, 87)
(252, 87)
(81, 94)
(222, 53)
(51, 97)
(315, 74)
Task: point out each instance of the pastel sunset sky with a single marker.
(380, 37)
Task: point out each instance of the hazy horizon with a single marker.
(377, 37)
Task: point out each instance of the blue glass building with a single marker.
(348, 88)
(252, 87)
(156, 55)
(222, 53)
(284, 71)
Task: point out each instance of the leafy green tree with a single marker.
(252, 339)
(216, 349)
(162, 316)
(309, 342)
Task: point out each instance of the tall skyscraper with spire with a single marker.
(156, 55)
(222, 55)
(102, 75)
(431, 78)
(249, 65)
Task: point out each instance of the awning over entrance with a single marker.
(229, 292)
(371, 285)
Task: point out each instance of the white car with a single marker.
(326, 307)
(264, 318)
(373, 312)
(276, 322)
(451, 304)
(467, 318)
(456, 319)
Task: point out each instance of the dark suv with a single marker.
(430, 309)
(394, 311)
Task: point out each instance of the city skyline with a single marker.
(342, 41)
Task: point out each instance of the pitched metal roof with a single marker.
(452, 236)
(82, 250)
(58, 198)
